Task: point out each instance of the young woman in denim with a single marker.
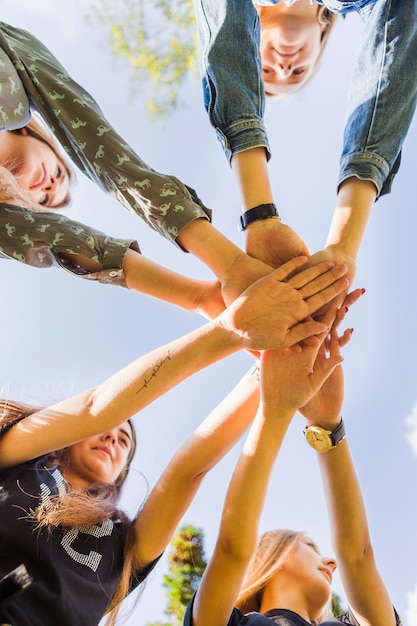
(282, 578)
(380, 108)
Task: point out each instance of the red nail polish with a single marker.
(346, 309)
(363, 290)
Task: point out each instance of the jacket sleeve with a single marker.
(162, 201)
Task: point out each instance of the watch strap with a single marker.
(260, 212)
(338, 434)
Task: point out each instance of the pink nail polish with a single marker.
(363, 290)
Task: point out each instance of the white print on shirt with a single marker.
(92, 559)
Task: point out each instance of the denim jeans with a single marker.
(382, 94)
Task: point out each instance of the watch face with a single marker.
(318, 438)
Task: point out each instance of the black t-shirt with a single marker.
(282, 617)
(74, 572)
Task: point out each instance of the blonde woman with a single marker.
(282, 578)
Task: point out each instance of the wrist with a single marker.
(325, 439)
(258, 214)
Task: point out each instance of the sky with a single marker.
(62, 334)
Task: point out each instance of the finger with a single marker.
(353, 297)
(287, 268)
(303, 277)
(346, 337)
(300, 332)
(320, 282)
(326, 295)
(328, 316)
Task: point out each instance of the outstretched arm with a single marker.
(365, 589)
(288, 378)
(264, 316)
(177, 486)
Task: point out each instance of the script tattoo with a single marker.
(155, 370)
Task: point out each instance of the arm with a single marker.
(50, 239)
(365, 589)
(381, 105)
(234, 98)
(177, 486)
(258, 319)
(162, 201)
(287, 378)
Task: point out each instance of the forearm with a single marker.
(345, 503)
(354, 203)
(179, 483)
(251, 171)
(239, 527)
(363, 584)
(120, 397)
(147, 277)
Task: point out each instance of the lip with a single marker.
(328, 574)
(104, 449)
(286, 55)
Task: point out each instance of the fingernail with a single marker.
(346, 309)
(363, 290)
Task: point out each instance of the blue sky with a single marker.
(62, 335)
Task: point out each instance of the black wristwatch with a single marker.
(324, 440)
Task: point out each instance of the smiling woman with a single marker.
(32, 155)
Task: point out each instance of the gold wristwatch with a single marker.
(324, 440)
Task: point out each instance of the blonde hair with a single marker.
(38, 130)
(272, 550)
(82, 507)
(10, 192)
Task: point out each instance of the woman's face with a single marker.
(310, 571)
(290, 45)
(40, 172)
(100, 459)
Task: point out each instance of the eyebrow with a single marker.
(125, 432)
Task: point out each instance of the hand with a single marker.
(336, 255)
(324, 409)
(209, 301)
(243, 272)
(292, 377)
(268, 314)
(273, 242)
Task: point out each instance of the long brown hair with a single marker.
(90, 506)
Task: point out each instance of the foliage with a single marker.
(186, 566)
(158, 42)
(337, 608)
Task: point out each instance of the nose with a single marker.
(50, 184)
(285, 66)
(109, 436)
(330, 562)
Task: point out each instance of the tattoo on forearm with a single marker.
(155, 370)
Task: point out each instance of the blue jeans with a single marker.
(382, 95)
